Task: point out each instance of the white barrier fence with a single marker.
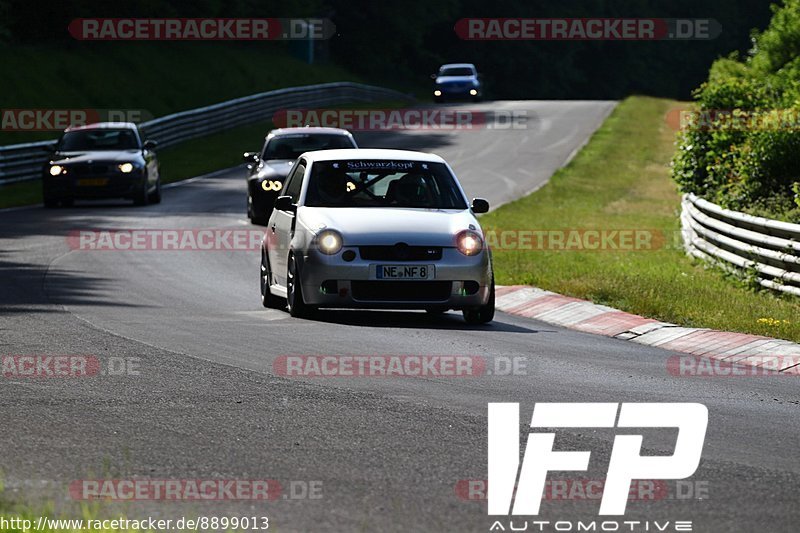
(769, 249)
(23, 162)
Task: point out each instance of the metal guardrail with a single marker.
(22, 162)
(769, 249)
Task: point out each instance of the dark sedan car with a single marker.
(103, 160)
(457, 81)
(268, 169)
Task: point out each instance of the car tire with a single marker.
(155, 196)
(51, 203)
(268, 299)
(141, 197)
(483, 314)
(294, 292)
(67, 202)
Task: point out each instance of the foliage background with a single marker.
(755, 167)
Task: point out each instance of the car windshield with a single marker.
(292, 146)
(99, 139)
(456, 71)
(379, 183)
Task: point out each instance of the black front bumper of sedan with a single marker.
(458, 91)
(74, 185)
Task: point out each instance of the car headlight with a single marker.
(56, 170)
(329, 241)
(469, 242)
(437, 92)
(126, 168)
(473, 92)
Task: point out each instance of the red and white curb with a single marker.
(582, 315)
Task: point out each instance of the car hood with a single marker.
(363, 226)
(275, 168)
(100, 156)
(456, 79)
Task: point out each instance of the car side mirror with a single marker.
(285, 203)
(250, 157)
(479, 205)
(150, 144)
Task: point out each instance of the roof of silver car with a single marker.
(457, 65)
(309, 129)
(104, 125)
(370, 153)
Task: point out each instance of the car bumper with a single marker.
(458, 92)
(459, 282)
(93, 187)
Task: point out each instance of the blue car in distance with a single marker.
(457, 81)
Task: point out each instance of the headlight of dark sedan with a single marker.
(57, 170)
(126, 168)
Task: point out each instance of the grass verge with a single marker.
(620, 180)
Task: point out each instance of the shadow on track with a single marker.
(412, 320)
(26, 288)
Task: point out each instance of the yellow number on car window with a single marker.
(270, 185)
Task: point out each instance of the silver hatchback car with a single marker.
(380, 229)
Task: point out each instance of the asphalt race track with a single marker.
(204, 400)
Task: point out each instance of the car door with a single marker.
(281, 225)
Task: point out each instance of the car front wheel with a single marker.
(268, 299)
(155, 196)
(294, 292)
(141, 197)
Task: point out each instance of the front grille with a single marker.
(400, 252)
(401, 291)
(85, 169)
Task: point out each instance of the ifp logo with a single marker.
(626, 463)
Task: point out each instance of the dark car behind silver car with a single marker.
(102, 160)
(268, 169)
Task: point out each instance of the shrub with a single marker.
(743, 148)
